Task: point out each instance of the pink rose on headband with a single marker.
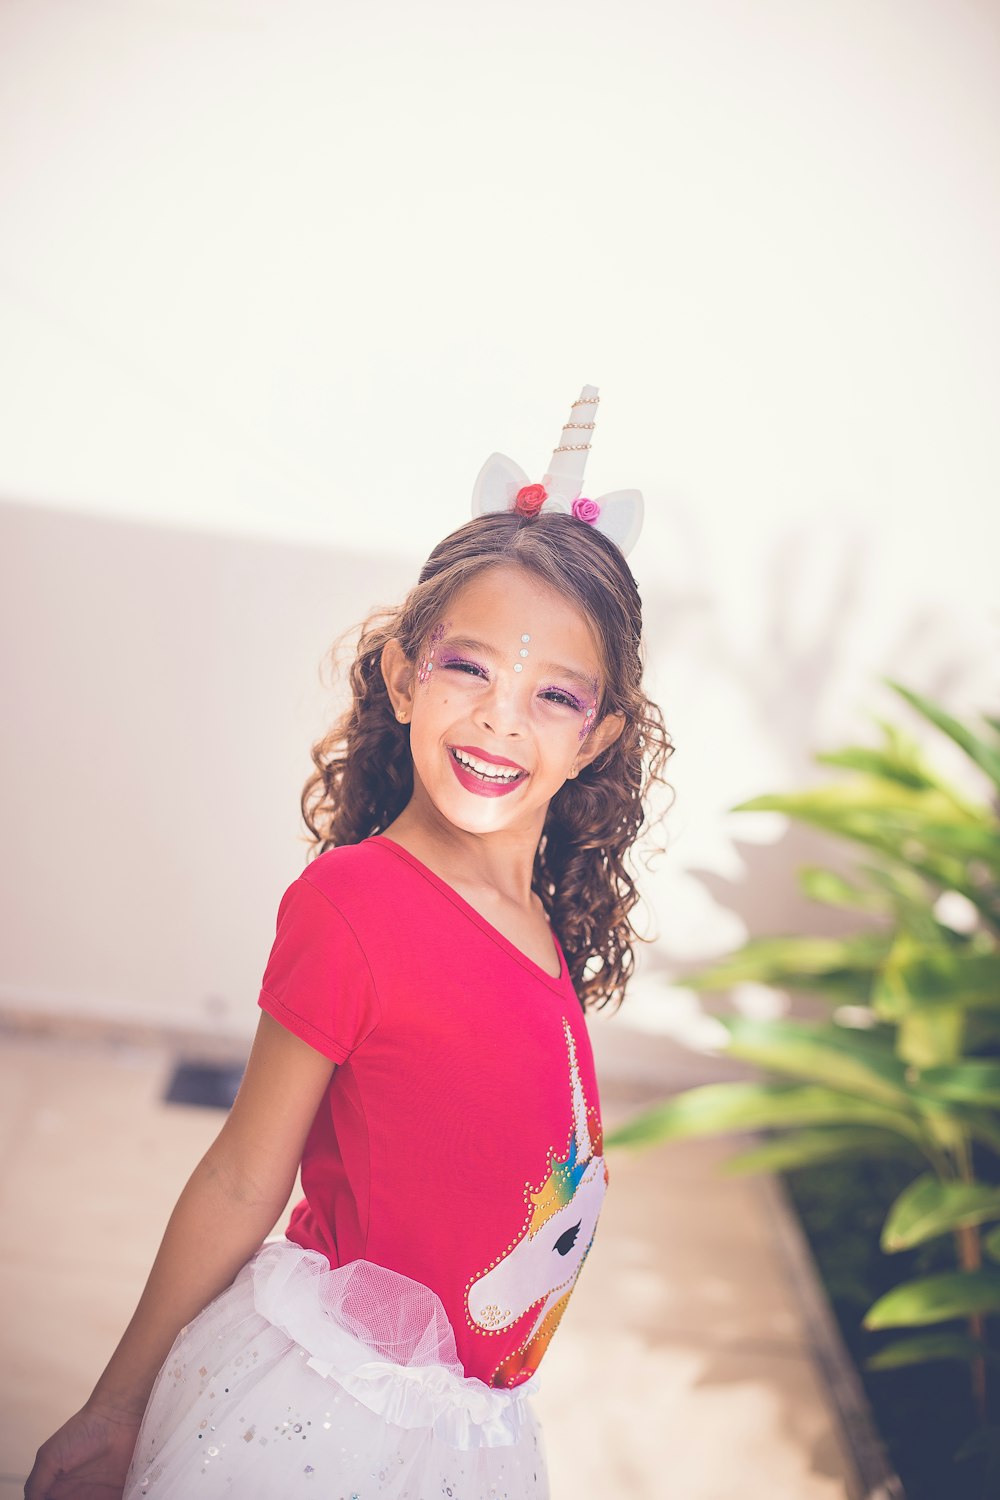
(530, 499)
(586, 510)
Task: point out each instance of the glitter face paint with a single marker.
(589, 711)
(557, 692)
(426, 666)
(589, 718)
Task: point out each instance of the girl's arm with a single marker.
(230, 1202)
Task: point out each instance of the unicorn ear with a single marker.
(497, 484)
(621, 517)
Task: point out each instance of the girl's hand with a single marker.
(87, 1459)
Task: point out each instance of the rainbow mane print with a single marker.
(541, 1266)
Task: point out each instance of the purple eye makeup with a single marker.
(563, 695)
(451, 656)
(463, 663)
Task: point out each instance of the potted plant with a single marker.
(909, 1059)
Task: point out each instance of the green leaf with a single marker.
(991, 1244)
(831, 889)
(982, 1124)
(717, 1108)
(840, 967)
(917, 974)
(850, 1061)
(906, 886)
(964, 841)
(984, 755)
(982, 1440)
(909, 895)
(929, 1207)
(970, 1082)
(931, 1036)
(804, 1147)
(890, 764)
(871, 797)
(923, 1347)
(935, 1299)
(925, 829)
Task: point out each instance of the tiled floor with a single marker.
(681, 1371)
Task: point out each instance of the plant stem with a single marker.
(970, 1258)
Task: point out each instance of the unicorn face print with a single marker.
(539, 1269)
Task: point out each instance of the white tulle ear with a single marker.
(497, 484)
(619, 513)
(621, 517)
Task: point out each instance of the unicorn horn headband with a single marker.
(503, 485)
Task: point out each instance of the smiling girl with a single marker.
(422, 1051)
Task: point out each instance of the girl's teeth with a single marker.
(491, 773)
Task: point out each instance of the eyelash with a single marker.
(472, 669)
(469, 667)
(559, 696)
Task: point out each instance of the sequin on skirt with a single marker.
(337, 1384)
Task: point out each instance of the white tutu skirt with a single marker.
(333, 1384)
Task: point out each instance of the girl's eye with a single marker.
(457, 664)
(556, 695)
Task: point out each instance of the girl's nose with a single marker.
(503, 711)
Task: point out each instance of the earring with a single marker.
(401, 716)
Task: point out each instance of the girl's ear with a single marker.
(600, 737)
(397, 674)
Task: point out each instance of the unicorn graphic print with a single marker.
(538, 1270)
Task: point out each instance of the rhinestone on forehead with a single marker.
(519, 665)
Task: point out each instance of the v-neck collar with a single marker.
(554, 981)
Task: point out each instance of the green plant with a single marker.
(907, 1062)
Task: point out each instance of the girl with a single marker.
(421, 1051)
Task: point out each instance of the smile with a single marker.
(487, 777)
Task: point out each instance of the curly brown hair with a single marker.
(363, 775)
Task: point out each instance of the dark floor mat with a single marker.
(212, 1085)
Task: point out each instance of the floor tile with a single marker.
(681, 1370)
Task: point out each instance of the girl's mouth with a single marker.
(487, 778)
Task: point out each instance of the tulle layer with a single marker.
(302, 1380)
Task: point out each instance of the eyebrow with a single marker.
(558, 669)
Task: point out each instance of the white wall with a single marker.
(275, 279)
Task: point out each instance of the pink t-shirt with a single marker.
(459, 1141)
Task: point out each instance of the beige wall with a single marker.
(160, 691)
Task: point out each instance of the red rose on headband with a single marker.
(586, 510)
(530, 499)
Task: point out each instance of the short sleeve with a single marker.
(317, 982)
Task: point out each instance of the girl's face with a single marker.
(502, 703)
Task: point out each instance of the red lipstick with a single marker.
(498, 760)
(479, 780)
